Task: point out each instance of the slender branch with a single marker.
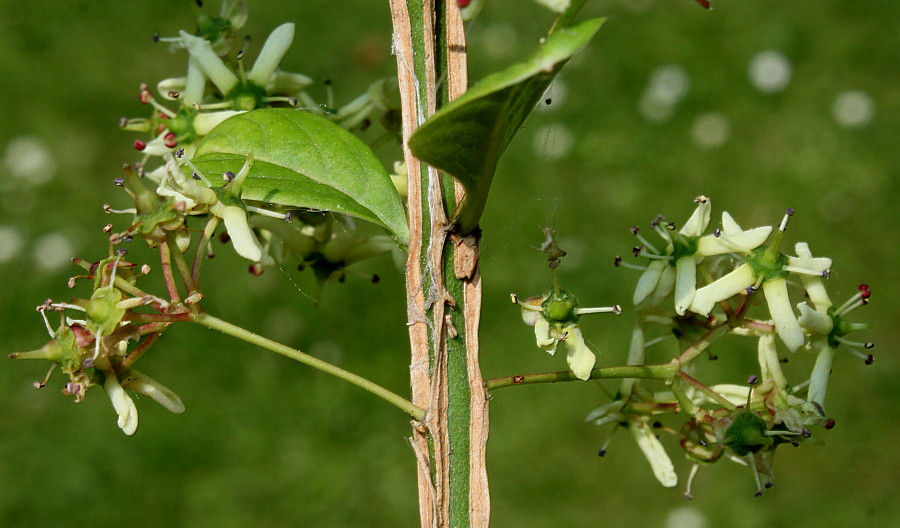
(165, 258)
(180, 263)
(202, 246)
(665, 371)
(691, 352)
(245, 335)
(713, 395)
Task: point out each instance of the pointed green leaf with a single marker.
(466, 138)
(304, 160)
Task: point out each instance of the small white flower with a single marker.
(653, 450)
(122, 403)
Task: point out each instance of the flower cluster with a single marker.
(555, 316)
(701, 287)
(97, 350)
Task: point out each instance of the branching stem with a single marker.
(245, 335)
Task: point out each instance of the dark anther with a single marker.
(794, 442)
(703, 443)
(768, 485)
(301, 266)
(326, 82)
(758, 494)
(199, 3)
(634, 230)
(174, 95)
(123, 121)
(636, 250)
(829, 423)
(870, 359)
(179, 153)
(790, 211)
(239, 55)
(88, 362)
(717, 233)
(127, 238)
(783, 361)
(548, 101)
(376, 279)
(224, 238)
(751, 290)
(121, 252)
(119, 182)
(195, 176)
(289, 217)
(342, 278)
(713, 357)
(601, 453)
(806, 433)
(657, 425)
(753, 380)
(869, 345)
(617, 309)
(670, 226)
(292, 101)
(229, 176)
(156, 37)
(617, 261)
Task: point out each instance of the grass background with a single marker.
(265, 442)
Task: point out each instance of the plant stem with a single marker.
(665, 371)
(713, 395)
(245, 335)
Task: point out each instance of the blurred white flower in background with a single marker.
(710, 131)
(53, 251)
(28, 160)
(11, 243)
(853, 109)
(770, 71)
(667, 86)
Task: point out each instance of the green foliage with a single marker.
(304, 160)
(468, 136)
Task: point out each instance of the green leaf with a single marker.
(466, 138)
(304, 160)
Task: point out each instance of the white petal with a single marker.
(648, 281)
(173, 84)
(148, 386)
(543, 336)
(605, 414)
(696, 224)
(815, 286)
(813, 266)
(201, 51)
(273, 51)
(729, 285)
(122, 403)
(815, 322)
(655, 453)
(242, 237)
(579, 357)
(663, 287)
(729, 226)
(740, 242)
(818, 384)
(685, 283)
(636, 356)
(736, 394)
(783, 314)
(287, 82)
(195, 84)
(206, 121)
(769, 363)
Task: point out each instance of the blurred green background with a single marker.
(760, 105)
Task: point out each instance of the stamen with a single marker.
(654, 341)
(690, 481)
(42, 384)
(265, 212)
(605, 309)
(752, 464)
